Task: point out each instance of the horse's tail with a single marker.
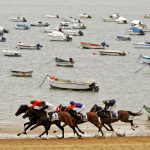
(134, 114)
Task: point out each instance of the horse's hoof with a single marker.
(80, 137)
(18, 134)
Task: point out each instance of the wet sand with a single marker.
(10, 141)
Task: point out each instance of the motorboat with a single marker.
(21, 73)
(22, 26)
(18, 19)
(123, 38)
(87, 45)
(113, 52)
(2, 38)
(135, 31)
(72, 85)
(145, 45)
(11, 53)
(21, 45)
(59, 36)
(85, 16)
(64, 63)
(112, 18)
(40, 24)
(52, 16)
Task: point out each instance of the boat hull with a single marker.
(91, 46)
(72, 85)
(11, 53)
(112, 53)
(21, 73)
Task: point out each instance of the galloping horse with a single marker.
(122, 116)
(33, 120)
(91, 117)
(42, 120)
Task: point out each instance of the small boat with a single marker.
(85, 16)
(59, 36)
(21, 45)
(123, 38)
(2, 38)
(144, 59)
(93, 46)
(112, 18)
(22, 26)
(52, 16)
(11, 53)
(77, 26)
(135, 31)
(64, 63)
(18, 19)
(147, 16)
(20, 73)
(72, 85)
(40, 24)
(121, 20)
(3, 30)
(142, 45)
(113, 52)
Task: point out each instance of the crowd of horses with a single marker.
(96, 116)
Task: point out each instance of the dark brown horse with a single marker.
(33, 120)
(122, 116)
(42, 120)
(91, 117)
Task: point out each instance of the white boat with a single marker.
(64, 63)
(72, 32)
(142, 45)
(72, 85)
(77, 26)
(20, 73)
(113, 52)
(3, 30)
(52, 16)
(144, 59)
(93, 46)
(18, 19)
(85, 16)
(121, 20)
(22, 26)
(59, 36)
(111, 18)
(21, 45)
(11, 53)
(40, 24)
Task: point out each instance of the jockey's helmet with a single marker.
(32, 101)
(71, 102)
(43, 103)
(105, 101)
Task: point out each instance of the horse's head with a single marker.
(21, 109)
(95, 108)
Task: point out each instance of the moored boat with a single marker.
(145, 45)
(113, 52)
(40, 24)
(93, 46)
(52, 16)
(18, 19)
(123, 38)
(22, 26)
(144, 59)
(64, 63)
(11, 53)
(147, 16)
(20, 73)
(2, 38)
(121, 20)
(59, 36)
(85, 16)
(135, 31)
(21, 45)
(72, 85)
(112, 18)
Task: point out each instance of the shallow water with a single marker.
(115, 76)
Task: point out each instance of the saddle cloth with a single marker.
(55, 117)
(114, 115)
(84, 117)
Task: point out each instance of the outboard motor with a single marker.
(39, 46)
(104, 44)
(142, 32)
(80, 33)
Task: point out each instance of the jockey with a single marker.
(80, 107)
(49, 108)
(35, 103)
(110, 105)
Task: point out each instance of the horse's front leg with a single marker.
(132, 125)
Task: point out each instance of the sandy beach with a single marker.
(10, 141)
